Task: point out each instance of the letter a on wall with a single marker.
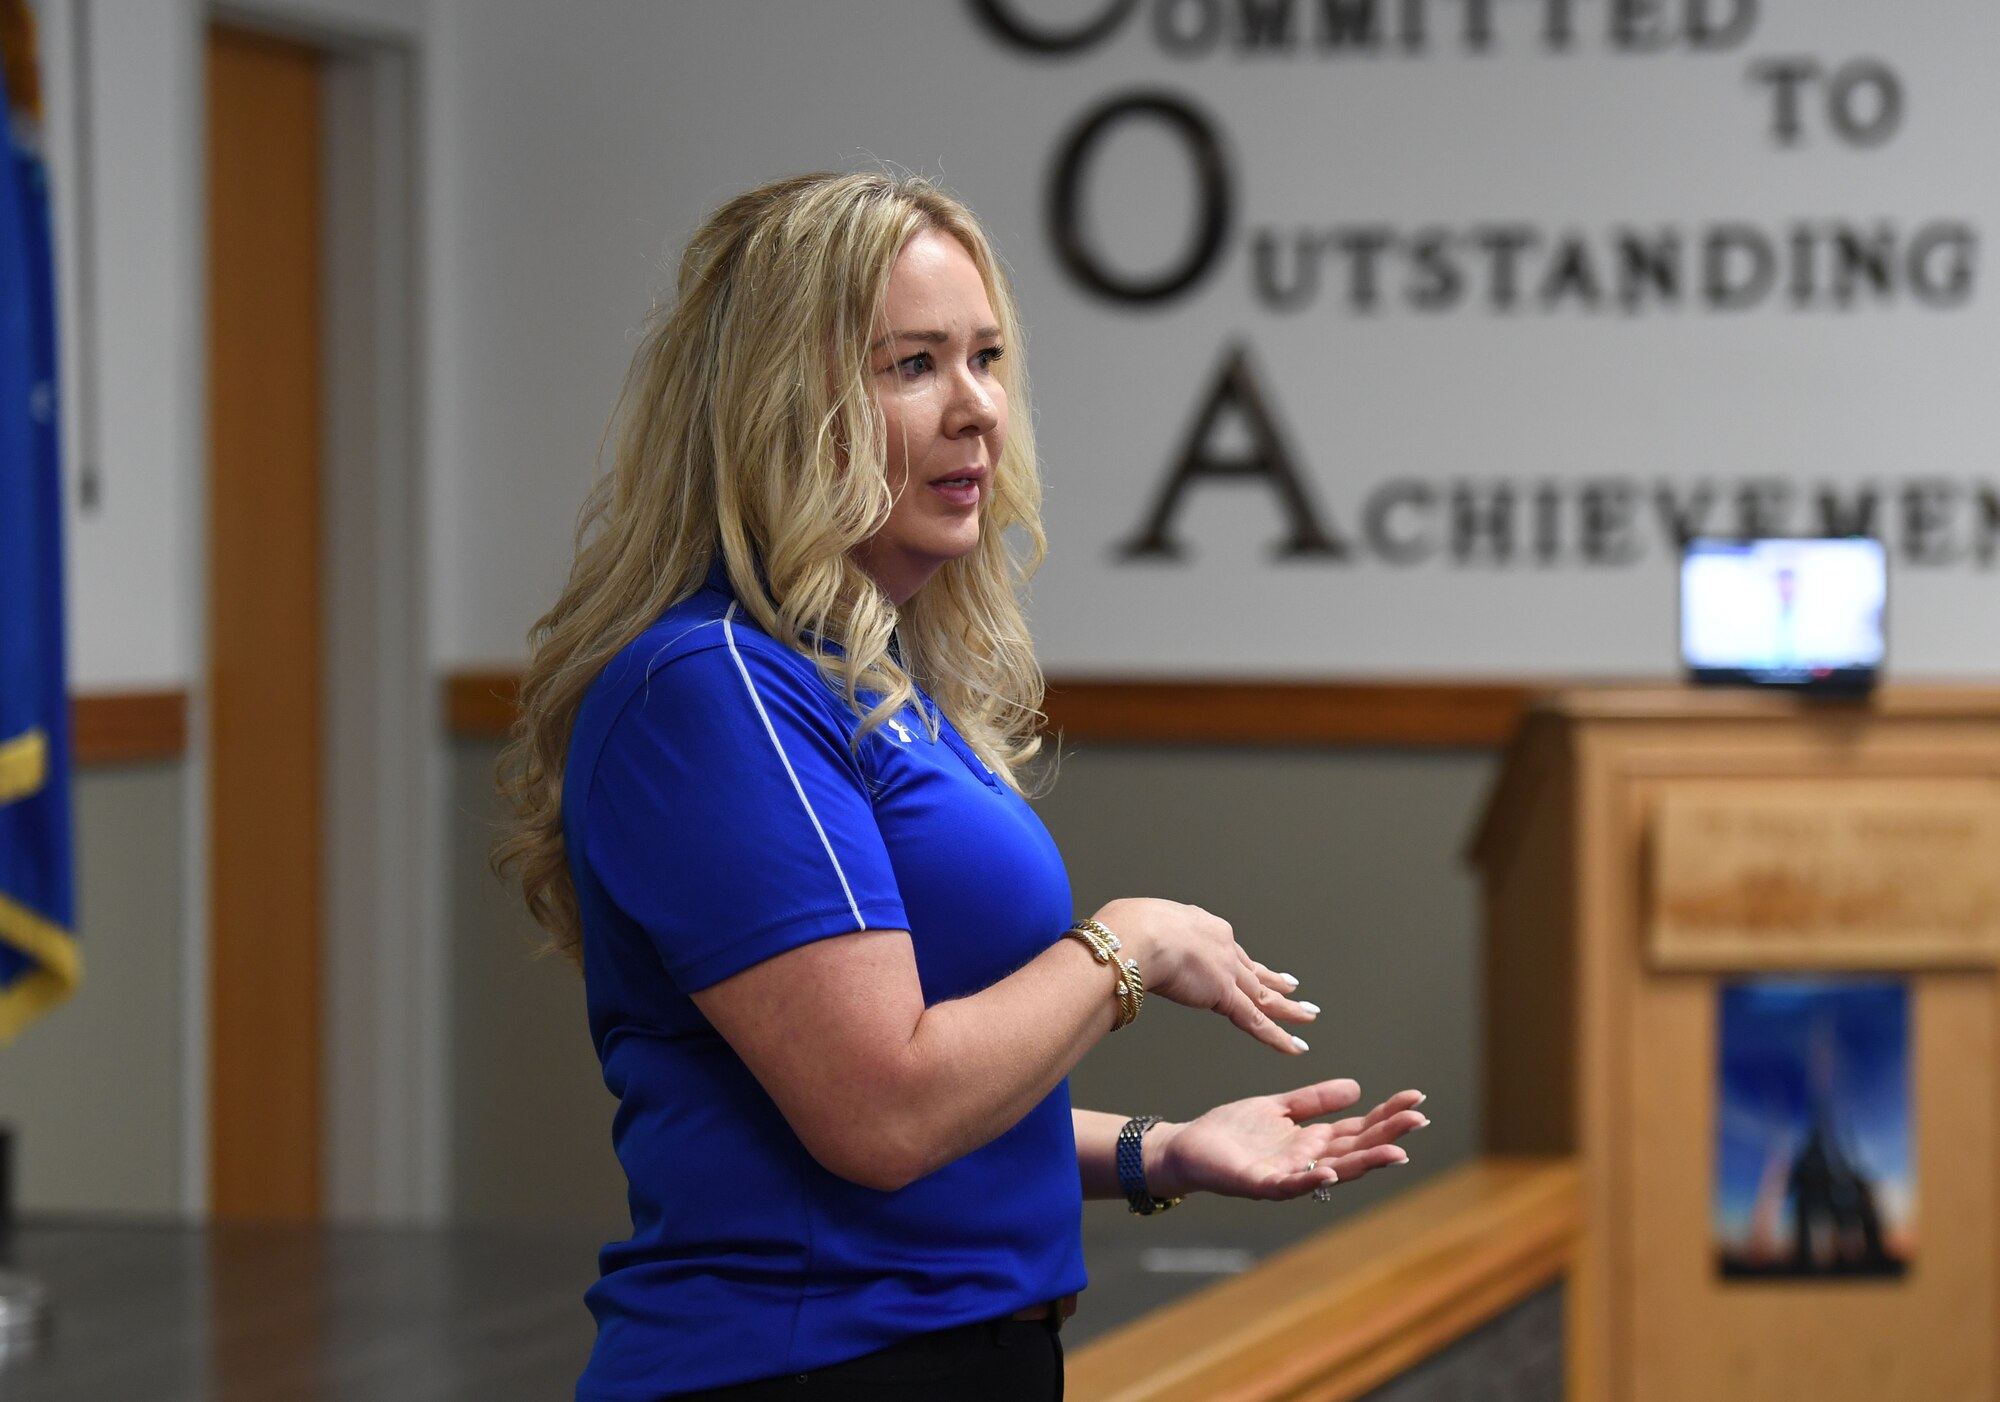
(1268, 461)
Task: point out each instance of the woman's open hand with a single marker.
(1261, 1147)
(1191, 957)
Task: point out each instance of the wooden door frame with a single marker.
(388, 1038)
(385, 1038)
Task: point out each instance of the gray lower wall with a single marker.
(93, 1088)
(531, 1119)
(1341, 866)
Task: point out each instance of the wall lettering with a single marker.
(1269, 463)
(1067, 198)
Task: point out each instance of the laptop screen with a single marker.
(1784, 612)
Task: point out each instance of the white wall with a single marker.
(131, 572)
(587, 140)
(572, 147)
(135, 577)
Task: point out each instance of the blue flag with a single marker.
(39, 964)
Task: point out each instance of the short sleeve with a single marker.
(728, 818)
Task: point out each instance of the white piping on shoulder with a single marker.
(729, 635)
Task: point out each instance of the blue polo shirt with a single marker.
(716, 814)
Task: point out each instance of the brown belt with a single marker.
(1054, 1310)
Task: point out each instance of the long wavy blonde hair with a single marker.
(747, 429)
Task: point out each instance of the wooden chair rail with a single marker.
(120, 728)
(128, 727)
(480, 703)
(1179, 711)
(1347, 1310)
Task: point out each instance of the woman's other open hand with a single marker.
(1260, 1147)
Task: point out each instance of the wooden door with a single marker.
(265, 1110)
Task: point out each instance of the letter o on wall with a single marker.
(1204, 148)
(1005, 25)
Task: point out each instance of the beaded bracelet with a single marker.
(1131, 1163)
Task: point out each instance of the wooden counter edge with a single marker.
(1348, 1309)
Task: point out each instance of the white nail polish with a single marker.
(1312, 1008)
(1421, 1098)
(1289, 980)
(1423, 1121)
(1300, 1043)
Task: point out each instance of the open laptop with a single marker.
(1801, 614)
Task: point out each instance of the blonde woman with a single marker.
(767, 783)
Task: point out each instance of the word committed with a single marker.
(1190, 29)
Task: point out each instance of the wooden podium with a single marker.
(1646, 850)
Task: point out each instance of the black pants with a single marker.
(1004, 1360)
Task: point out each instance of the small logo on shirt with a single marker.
(902, 731)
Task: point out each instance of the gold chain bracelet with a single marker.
(1132, 987)
(1104, 955)
(1104, 947)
